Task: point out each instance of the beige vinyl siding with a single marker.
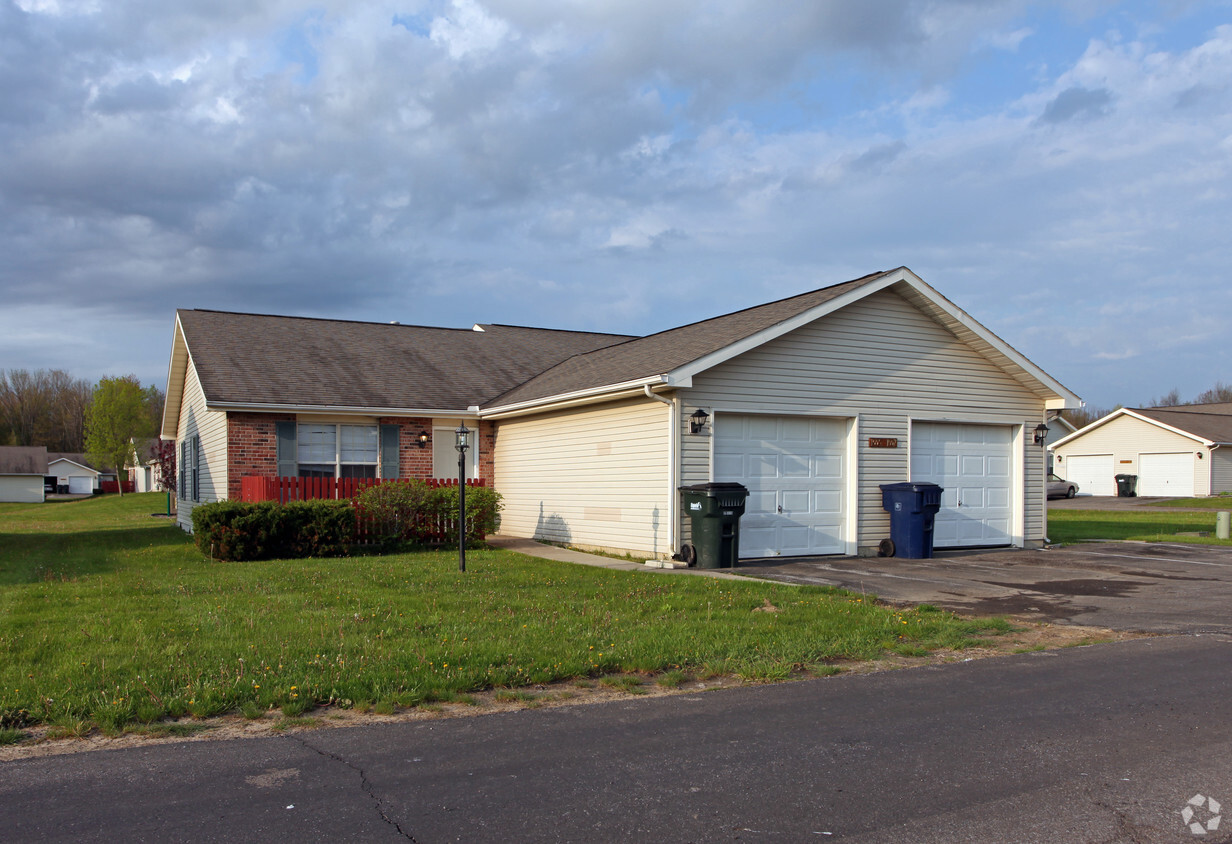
(884, 363)
(593, 476)
(23, 489)
(211, 427)
(1221, 469)
(1125, 438)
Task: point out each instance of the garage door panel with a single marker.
(796, 463)
(1094, 473)
(795, 466)
(728, 465)
(828, 501)
(1169, 475)
(760, 427)
(761, 501)
(974, 466)
(796, 501)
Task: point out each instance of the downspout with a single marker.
(673, 465)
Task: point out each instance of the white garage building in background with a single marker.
(1176, 452)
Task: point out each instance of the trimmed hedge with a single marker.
(238, 530)
(384, 517)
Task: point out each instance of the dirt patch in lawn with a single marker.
(1027, 636)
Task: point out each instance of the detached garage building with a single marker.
(1176, 452)
(22, 469)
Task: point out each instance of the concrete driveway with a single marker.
(1149, 587)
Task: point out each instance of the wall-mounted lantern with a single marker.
(697, 421)
(1041, 434)
(423, 439)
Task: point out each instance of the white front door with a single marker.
(794, 467)
(1094, 473)
(973, 464)
(1170, 475)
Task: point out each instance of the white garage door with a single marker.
(972, 463)
(1094, 473)
(78, 485)
(1166, 474)
(794, 469)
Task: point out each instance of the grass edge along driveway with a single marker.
(111, 619)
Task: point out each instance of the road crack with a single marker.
(364, 783)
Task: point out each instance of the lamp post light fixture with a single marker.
(697, 421)
(462, 442)
(1041, 434)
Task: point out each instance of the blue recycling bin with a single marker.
(912, 508)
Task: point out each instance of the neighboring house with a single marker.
(73, 473)
(22, 469)
(811, 401)
(1058, 427)
(142, 473)
(1178, 451)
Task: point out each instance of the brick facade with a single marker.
(252, 447)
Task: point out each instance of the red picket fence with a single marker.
(430, 528)
(113, 486)
(282, 490)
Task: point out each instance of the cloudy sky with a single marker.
(1060, 170)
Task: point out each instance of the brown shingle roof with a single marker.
(658, 354)
(23, 460)
(297, 361)
(1211, 422)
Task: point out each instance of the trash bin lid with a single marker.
(716, 488)
(910, 486)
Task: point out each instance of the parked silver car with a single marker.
(1061, 488)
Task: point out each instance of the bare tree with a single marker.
(1170, 399)
(65, 424)
(1221, 392)
(24, 403)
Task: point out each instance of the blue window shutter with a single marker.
(288, 464)
(389, 451)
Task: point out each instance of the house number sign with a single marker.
(883, 442)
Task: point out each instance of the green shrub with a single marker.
(238, 530)
(392, 512)
(483, 506)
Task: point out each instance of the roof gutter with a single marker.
(341, 410)
(578, 397)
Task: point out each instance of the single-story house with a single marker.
(140, 468)
(810, 401)
(22, 469)
(73, 472)
(1180, 451)
(1058, 426)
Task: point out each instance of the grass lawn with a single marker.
(1067, 526)
(109, 618)
(1212, 502)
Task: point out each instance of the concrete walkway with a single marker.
(531, 548)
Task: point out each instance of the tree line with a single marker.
(51, 408)
(1220, 393)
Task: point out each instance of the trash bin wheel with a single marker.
(688, 554)
(885, 548)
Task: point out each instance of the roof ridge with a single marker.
(386, 323)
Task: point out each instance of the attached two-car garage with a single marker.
(797, 469)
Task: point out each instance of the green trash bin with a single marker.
(714, 512)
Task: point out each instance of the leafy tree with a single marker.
(162, 457)
(116, 417)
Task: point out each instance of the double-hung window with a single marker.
(337, 451)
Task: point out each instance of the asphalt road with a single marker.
(1096, 744)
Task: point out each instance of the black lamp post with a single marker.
(462, 443)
